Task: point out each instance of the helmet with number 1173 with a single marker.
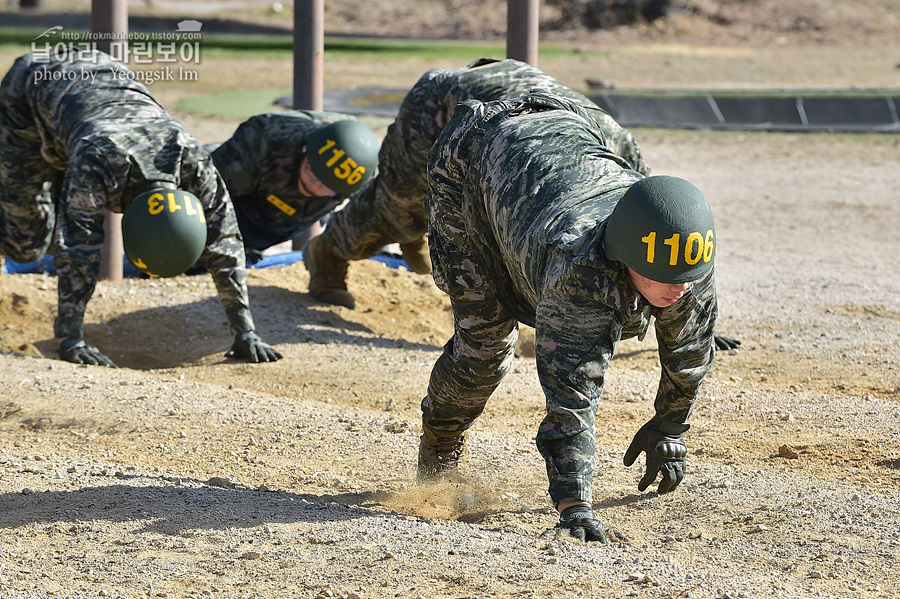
(662, 228)
(343, 155)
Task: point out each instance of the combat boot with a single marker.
(416, 255)
(439, 455)
(327, 274)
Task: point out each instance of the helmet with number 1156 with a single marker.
(662, 228)
(164, 232)
(343, 155)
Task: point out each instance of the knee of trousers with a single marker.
(466, 379)
(24, 249)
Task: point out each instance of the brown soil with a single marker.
(184, 474)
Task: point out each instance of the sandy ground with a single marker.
(184, 474)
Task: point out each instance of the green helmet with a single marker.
(662, 228)
(164, 232)
(343, 155)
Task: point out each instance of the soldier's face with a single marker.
(310, 186)
(661, 295)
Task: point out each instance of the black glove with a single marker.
(725, 343)
(577, 521)
(249, 346)
(663, 441)
(78, 352)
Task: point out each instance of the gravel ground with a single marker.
(183, 474)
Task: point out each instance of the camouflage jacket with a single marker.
(112, 140)
(534, 183)
(429, 105)
(390, 207)
(261, 164)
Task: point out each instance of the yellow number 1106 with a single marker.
(696, 247)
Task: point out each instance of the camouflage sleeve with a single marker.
(223, 256)
(94, 184)
(686, 348)
(620, 140)
(78, 243)
(238, 158)
(576, 333)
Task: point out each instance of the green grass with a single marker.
(356, 48)
(234, 104)
(773, 93)
(17, 38)
(244, 104)
(378, 98)
(237, 46)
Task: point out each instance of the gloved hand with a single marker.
(663, 441)
(75, 350)
(725, 343)
(249, 346)
(577, 521)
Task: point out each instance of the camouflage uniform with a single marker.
(519, 194)
(261, 166)
(81, 137)
(390, 208)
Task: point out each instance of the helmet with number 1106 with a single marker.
(164, 232)
(343, 155)
(662, 228)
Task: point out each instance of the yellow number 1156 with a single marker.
(347, 170)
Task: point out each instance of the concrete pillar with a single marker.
(522, 25)
(111, 16)
(309, 54)
(309, 71)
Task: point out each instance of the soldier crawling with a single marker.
(262, 163)
(79, 137)
(391, 208)
(534, 219)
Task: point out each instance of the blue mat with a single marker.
(45, 264)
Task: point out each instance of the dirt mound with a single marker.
(185, 474)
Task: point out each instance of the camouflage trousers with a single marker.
(485, 333)
(374, 218)
(486, 309)
(391, 207)
(27, 209)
